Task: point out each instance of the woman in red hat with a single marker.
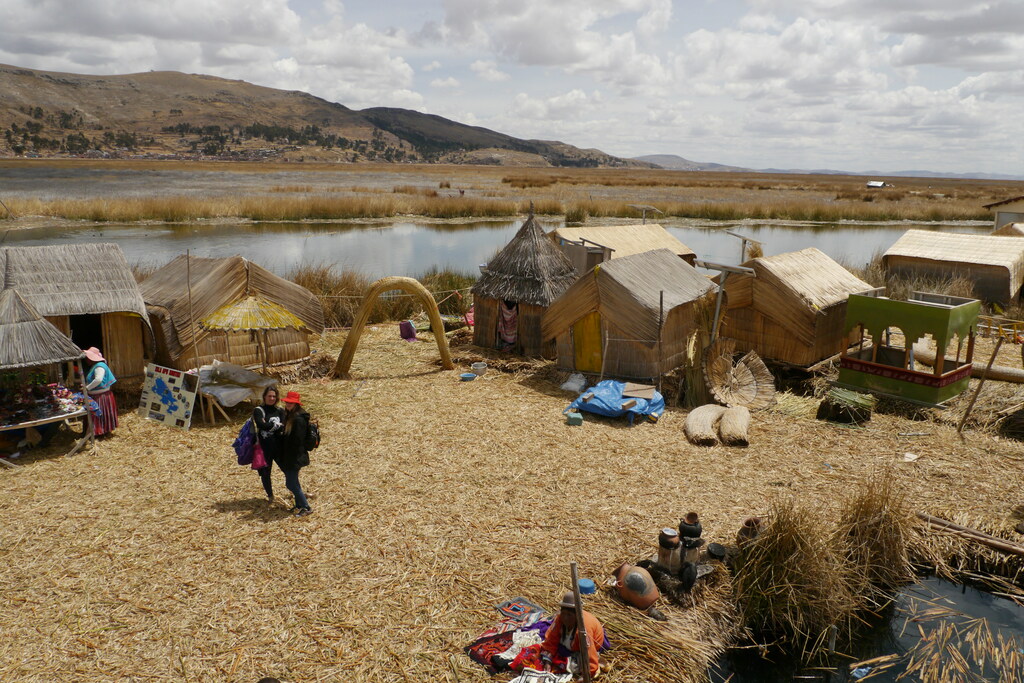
(292, 454)
(97, 384)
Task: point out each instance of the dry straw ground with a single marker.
(156, 557)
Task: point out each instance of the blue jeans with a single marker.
(291, 480)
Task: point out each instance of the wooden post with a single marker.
(604, 354)
(981, 383)
(191, 318)
(581, 628)
(661, 323)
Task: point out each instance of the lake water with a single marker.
(892, 634)
(378, 249)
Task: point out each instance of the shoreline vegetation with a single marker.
(352, 191)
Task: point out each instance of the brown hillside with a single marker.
(191, 116)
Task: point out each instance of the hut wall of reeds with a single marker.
(994, 263)
(527, 275)
(633, 316)
(793, 310)
(89, 293)
(591, 244)
(215, 283)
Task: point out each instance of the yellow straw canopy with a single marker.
(252, 313)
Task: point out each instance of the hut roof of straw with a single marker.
(73, 280)
(216, 283)
(1004, 201)
(626, 240)
(1010, 230)
(26, 338)
(808, 276)
(627, 291)
(529, 269)
(954, 247)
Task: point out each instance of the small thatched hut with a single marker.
(793, 310)
(216, 283)
(27, 339)
(633, 315)
(515, 289)
(89, 293)
(588, 245)
(994, 263)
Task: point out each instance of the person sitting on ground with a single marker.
(561, 643)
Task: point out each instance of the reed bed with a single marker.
(156, 556)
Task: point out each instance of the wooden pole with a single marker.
(191, 317)
(604, 355)
(972, 534)
(981, 383)
(661, 323)
(581, 629)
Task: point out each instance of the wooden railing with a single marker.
(996, 326)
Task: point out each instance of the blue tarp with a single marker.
(608, 400)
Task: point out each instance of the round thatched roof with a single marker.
(530, 269)
(26, 338)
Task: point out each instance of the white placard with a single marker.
(168, 396)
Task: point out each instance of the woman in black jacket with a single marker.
(293, 455)
(268, 419)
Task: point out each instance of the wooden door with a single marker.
(586, 339)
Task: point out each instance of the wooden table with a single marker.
(87, 436)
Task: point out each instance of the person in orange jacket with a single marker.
(561, 639)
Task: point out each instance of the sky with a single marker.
(853, 85)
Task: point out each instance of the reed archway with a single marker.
(386, 284)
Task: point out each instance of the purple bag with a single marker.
(258, 461)
(245, 442)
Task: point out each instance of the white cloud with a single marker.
(488, 70)
(432, 66)
(570, 105)
(449, 82)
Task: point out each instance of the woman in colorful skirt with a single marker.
(97, 383)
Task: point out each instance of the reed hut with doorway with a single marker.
(223, 285)
(89, 293)
(631, 317)
(588, 245)
(794, 308)
(994, 263)
(516, 288)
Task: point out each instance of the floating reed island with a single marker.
(155, 556)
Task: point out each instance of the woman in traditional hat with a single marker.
(562, 643)
(97, 384)
(292, 454)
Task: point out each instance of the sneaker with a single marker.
(302, 512)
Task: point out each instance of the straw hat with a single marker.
(292, 397)
(93, 354)
(568, 601)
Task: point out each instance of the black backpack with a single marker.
(312, 436)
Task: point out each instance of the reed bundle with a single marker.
(701, 426)
(734, 425)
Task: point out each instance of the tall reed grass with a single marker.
(341, 293)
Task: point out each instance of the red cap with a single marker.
(292, 397)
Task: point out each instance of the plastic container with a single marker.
(478, 368)
(587, 586)
(467, 376)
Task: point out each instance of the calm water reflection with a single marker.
(379, 249)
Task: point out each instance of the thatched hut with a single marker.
(588, 245)
(515, 289)
(994, 263)
(27, 339)
(89, 293)
(794, 308)
(215, 284)
(633, 316)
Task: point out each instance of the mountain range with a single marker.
(168, 114)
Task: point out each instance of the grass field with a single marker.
(156, 557)
(343, 191)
